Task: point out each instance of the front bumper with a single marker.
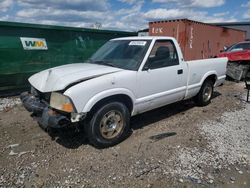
(45, 116)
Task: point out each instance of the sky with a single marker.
(128, 15)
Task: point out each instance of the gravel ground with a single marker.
(180, 145)
(228, 144)
(8, 103)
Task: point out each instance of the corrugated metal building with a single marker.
(197, 40)
(29, 48)
(245, 26)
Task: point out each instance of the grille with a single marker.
(40, 95)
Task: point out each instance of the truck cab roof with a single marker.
(145, 38)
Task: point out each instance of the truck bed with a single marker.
(199, 69)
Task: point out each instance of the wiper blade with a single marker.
(109, 64)
(103, 63)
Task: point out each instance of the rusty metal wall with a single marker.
(197, 40)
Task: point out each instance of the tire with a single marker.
(205, 94)
(109, 125)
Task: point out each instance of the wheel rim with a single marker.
(111, 124)
(207, 94)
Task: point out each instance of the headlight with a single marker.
(61, 102)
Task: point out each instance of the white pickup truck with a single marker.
(125, 77)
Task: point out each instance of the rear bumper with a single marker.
(45, 116)
(220, 80)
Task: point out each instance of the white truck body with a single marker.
(86, 84)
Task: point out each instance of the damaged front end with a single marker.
(50, 109)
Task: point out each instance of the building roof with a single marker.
(144, 30)
(231, 23)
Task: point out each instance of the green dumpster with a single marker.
(29, 48)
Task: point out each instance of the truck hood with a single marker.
(59, 78)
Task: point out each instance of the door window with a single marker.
(163, 54)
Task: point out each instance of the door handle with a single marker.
(180, 71)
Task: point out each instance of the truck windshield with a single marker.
(125, 54)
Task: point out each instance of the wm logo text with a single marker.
(33, 43)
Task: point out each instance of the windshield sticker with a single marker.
(137, 43)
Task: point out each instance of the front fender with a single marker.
(107, 93)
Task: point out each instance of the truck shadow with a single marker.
(73, 138)
(164, 112)
(153, 116)
(69, 137)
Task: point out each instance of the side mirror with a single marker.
(146, 67)
(225, 48)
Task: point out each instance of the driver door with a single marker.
(163, 78)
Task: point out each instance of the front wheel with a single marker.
(204, 96)
(109, 125)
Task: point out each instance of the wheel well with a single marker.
(126, 100)
(212, 77)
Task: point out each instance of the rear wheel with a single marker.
(204, 96)
(109, 125)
